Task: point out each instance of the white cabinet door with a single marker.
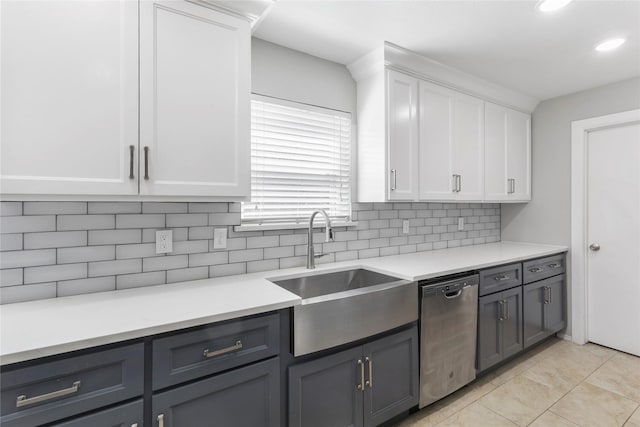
(194, 101)
(519, 155)
(495, 153)
(468, 147)
(69, 97)
(402, 122)
(436, 142)
(507, 154)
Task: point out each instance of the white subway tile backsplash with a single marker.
(185, 274)
(54, 273)
(86, 254)
(54, 208)
(11, 242)
(27, 224)
(110, 268)
(55, 239)
(85, 222)
(121, 242)
(86, 286)
(22, 293)
(14, 259)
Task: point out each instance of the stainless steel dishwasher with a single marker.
(448, 322)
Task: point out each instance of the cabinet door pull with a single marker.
(500, 311)
(546, 295)
(161, 420)
(506, 309)
(394, 174)
(361, 384)
(555, 265)
(502, 278)
(456, 183)
(549, 294)
(146, 163)
(370, 381)
(237, 346)
(535, 270)
(459, 183)
(23, 400)
(131, 151)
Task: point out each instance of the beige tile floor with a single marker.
(556, 384)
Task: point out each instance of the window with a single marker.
(300, 161)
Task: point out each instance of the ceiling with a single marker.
(507, 42)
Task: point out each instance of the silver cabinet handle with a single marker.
(237, 346)
(146, 163)
(394, 174)
(23, 400)
(161, 420)
(370, 363)
(546, 294)
(512, 185)
(555, 265)
(506, 306)
(454, 183)
(502, 278)
(594, 247)
(549, 294)
(131, 152)
(535, 270)
(459, 183)
(500, 311)
(361, 385)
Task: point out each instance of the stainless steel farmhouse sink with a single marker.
(344, 306)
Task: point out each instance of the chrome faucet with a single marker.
(311, 257)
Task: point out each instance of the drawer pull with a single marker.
(361, 365)
(555, 265)
(370, 362)
(236, 346)
(502, 278)
(23, 400)
(535, 269)
(161, 420)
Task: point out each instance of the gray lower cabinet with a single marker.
(362, 386)
(127, 415)
(499, 327)
(544, 308)
(243, 397)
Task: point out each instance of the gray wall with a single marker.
(55, 249)
(289, 74)
(547, 218)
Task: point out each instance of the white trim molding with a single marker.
(579, 267)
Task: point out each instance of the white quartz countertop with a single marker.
(36, 329)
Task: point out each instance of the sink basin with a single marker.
(344, 306)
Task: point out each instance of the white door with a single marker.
(402, 98)
(613, 200)
(518, 155)
(436, 142)
(69, 97)
(468, 147)
(194, 101)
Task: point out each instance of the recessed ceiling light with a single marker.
(610, 44)
(552, 5)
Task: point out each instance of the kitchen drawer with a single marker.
(190, 355)
(542, 268)
(500, 278)
(127, 415)
(50, 391)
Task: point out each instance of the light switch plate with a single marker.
(219, 238)
(405, 226)
(164, 241)
(461, 224)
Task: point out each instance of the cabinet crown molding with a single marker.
(396, 57)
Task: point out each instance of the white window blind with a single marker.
(300, 161)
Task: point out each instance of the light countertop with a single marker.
(36, 329)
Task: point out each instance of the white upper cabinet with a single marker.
(451, 144)
(69, 97)
(507, 154)
(194, 101)
(402, 98)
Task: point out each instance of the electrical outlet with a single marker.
(164, 241)
(405, 226)
(219, 238)
(461, 224)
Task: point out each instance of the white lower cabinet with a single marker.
(507, 154)
(69, 97)
(81, 117)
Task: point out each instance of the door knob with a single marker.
(594, 247)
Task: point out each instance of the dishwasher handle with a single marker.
(453, 294)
